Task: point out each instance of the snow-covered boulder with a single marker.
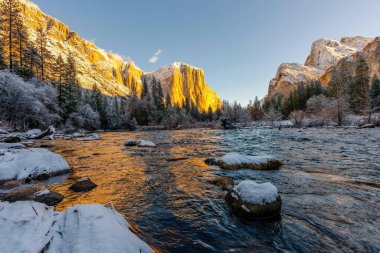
(92, 137)
(34, 163)
(28, 226)
(252, 200)
(141, 143)
(30, 134)
(130, 143)
(234, 161)
(144, 143)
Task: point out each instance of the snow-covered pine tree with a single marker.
(360, 94)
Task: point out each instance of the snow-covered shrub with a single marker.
(27, 104)
(296, 117)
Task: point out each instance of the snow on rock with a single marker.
(144, 143)
(92, 137)
(3, 131)
(235, 161)
(28, 226)
(30, 134)
(252, 200)
(19, 164)
(254, 193)
(94, 228)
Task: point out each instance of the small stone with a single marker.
(83, 185)
(49, 198)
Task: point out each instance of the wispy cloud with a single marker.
(154, 58)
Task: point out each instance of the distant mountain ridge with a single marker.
(326, 56)
(111, 73)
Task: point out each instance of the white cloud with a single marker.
(154, 58)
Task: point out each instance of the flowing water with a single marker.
(329, 186)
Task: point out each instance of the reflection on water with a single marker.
(329, 187)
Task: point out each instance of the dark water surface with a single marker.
(329, 186)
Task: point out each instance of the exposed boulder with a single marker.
(25, 193)
(234, 161)
(10, 185)
(85, 184)
(130, 143)
(251, 200)
(211, 161)
(12, 139)
(144, 143)
(37, 134)
(225, 182)
(92, 137)
(47, 197)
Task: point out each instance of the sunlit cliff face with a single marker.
(110, 72)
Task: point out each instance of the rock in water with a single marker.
(130, 143)
(225, 182)
(49, 198)
(84, 184)
(36, 193)
(234, 161)
(211, 161)
(250, 200)
(10, 184)
(143, 143)
(367, 126)
(92, 137)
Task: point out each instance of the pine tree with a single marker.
(144, 91)
(3, 65)
(256, 110)
(375, 93)
(168, 101)
(72, 91)
(338, 90)
(42, 49)
(22, 37)
(9, 16)
(360, 93)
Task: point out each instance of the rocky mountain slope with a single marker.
(110, 73)
(325, 57)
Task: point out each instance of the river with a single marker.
(329, 186)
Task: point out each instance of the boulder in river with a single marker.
(144, 143)
(251, 200)
(92, 137)
(211, 161)
(226, 183)
(47, 197)
(85, 184)
(234, 161)
(131, 143)
(367, 126)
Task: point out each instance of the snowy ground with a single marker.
(28, 226)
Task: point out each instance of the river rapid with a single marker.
(329, 186)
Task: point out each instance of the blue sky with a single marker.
(239, 43)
